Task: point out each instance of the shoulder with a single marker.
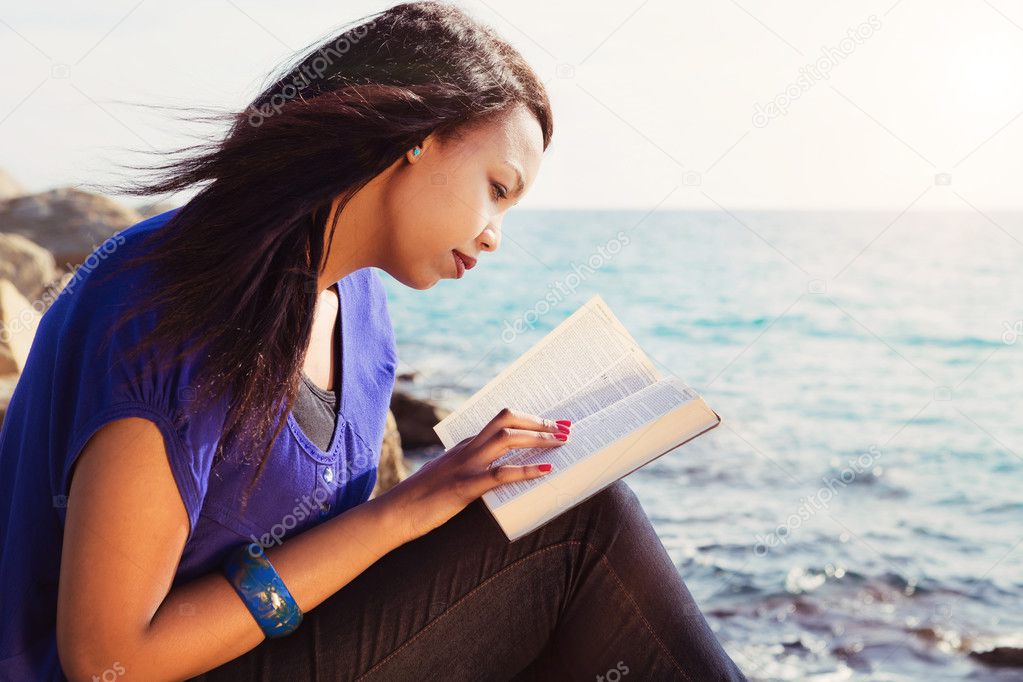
(99, 289)
(98, 336)
(364, 292)
(370, 355)
(368, 283)
(370, 334)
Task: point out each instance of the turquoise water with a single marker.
(858, 514)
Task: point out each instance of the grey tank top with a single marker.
(315, 409)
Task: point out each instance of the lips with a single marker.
(462, 263)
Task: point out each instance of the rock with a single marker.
(68, 222)
(27, 265)
(416, 419)
(7, 385)
(149, 210)
(9, 187)
(392, 469)
(1001, 657)
(18, 322)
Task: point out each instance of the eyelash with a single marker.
(499, 191)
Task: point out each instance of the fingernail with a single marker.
(561, 436)
(543, 467)
(565, 422)
(563, 429)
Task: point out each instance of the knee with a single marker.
(595, 523)
(619, 499)
(613, 508)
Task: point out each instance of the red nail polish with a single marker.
(561, 436)
(565, 422)
(543, 467)
(563, 429)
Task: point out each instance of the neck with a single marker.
(354, 244)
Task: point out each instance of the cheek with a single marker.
(418, 246)
(442, 217)
(465, 211)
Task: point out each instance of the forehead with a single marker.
(513, 135)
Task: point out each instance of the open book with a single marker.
(624, 414)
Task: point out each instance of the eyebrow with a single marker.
(518, 174)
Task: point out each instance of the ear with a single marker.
(423, 147)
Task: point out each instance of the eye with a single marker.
(499, 191)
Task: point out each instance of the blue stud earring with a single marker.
(415, 151)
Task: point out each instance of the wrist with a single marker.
(391, 519)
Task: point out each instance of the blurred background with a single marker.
(810, 212)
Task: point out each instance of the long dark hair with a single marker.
(234, 272)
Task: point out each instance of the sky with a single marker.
(658, 104)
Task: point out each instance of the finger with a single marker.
(462, 444)
(513, 439)
(509, 418)
(509, 473)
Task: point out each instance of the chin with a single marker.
(419, 280)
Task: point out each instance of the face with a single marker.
(453, 196)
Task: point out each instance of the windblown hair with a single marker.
(234, 272)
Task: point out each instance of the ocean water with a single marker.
(858, 515)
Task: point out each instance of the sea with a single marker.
(858, 514)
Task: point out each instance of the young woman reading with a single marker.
(187, 461)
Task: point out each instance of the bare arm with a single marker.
(121, 551)
(126, 529)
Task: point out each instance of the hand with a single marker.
(446, 484)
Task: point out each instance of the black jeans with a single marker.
(592, 595)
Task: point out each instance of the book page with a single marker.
(584, 362)
(626, 376)
(596, 432)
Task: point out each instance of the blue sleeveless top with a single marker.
(71, 386)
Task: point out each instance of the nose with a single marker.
(490, 238)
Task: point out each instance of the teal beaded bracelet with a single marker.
(258, 584)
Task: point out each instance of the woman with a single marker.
(218, 380)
